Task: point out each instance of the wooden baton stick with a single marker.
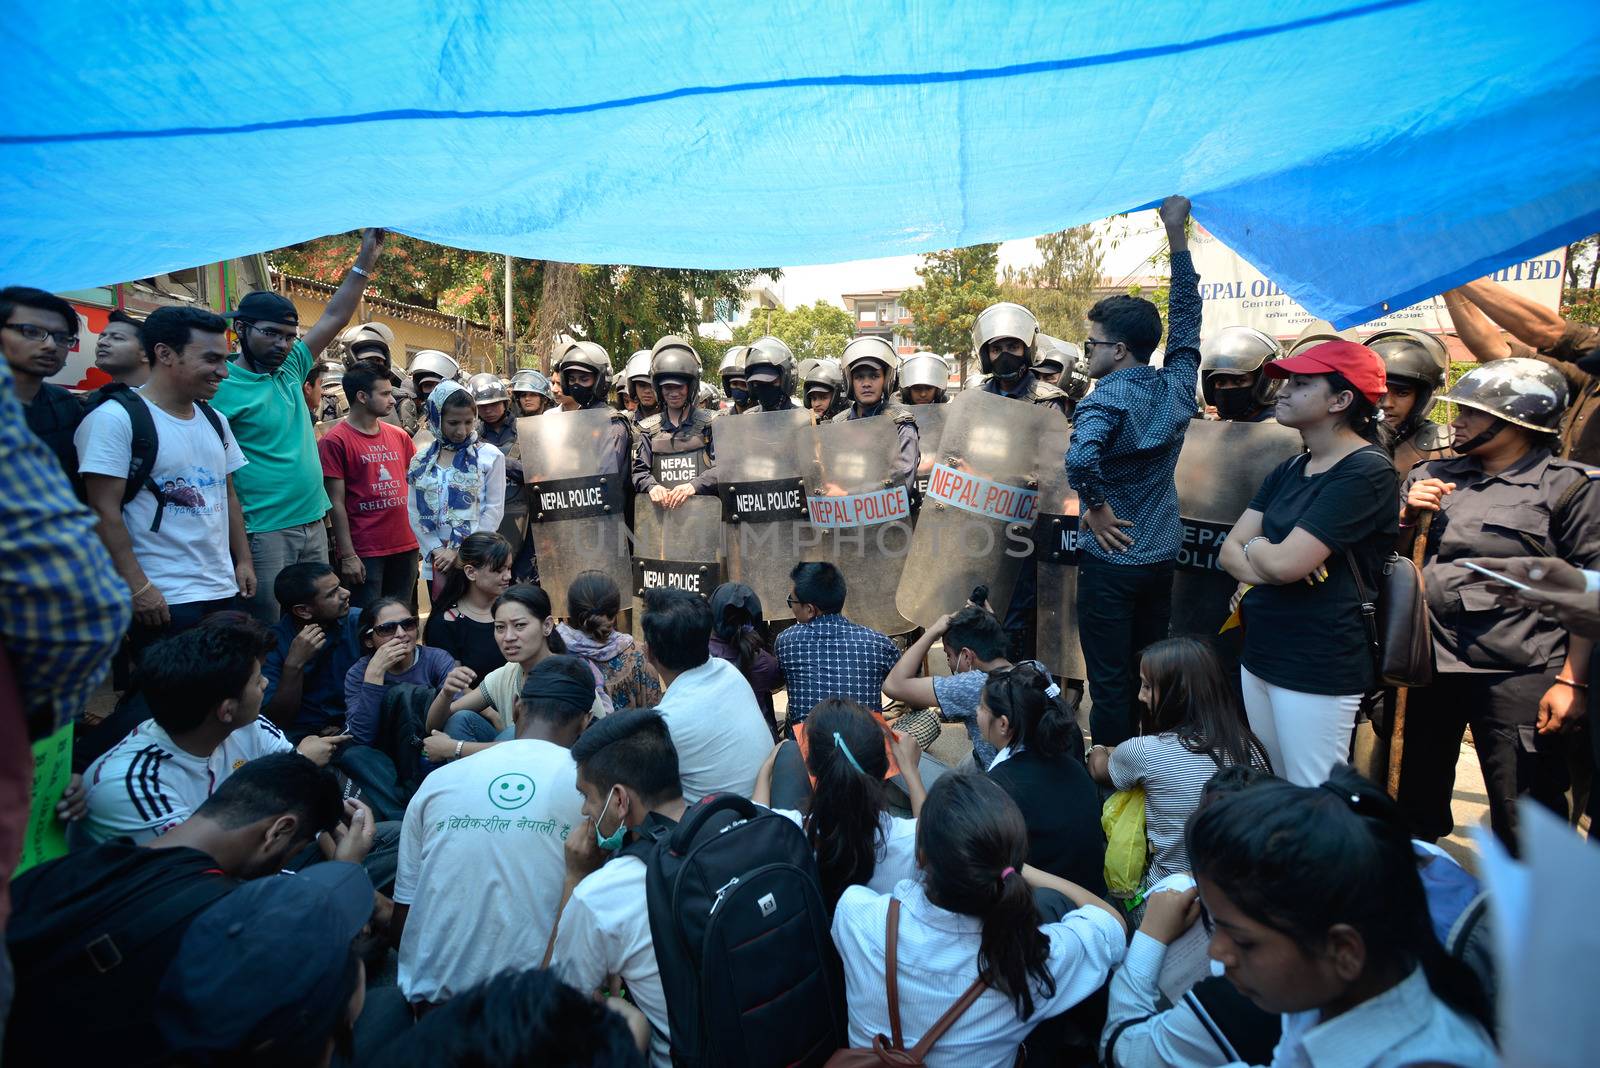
(1397, 734)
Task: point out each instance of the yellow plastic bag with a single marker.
(1126, 846)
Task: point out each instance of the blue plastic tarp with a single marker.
(1361, 155)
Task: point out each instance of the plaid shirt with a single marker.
(1126, 435)
(833, 657)
(63, 607)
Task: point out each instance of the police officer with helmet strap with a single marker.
(1232, 382)
(1415, 363)
(680, 429)
(732, 374)
(638, 387)
(769, 371)
(869, 365)
(531, 393)
(584, 369)
(924, 379)
(1063, 365)
(428, 368)
(822, 385)
(1006, 336)
(498, 426)
(1514, 675)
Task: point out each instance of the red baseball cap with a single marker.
(1360, 365)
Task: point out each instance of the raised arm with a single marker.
(342, 305)
(1474, 329)
(1524, 319)
(1183, 299)
(905, 681)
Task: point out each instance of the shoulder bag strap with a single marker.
(891, 973)
(920, 1051)
(1369, 617)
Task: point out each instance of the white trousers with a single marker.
(1306, 734)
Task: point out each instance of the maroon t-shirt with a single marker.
(373, 467)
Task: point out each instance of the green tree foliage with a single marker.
(819, 331)
(957, 284)
(1061, 289)
(630, 308)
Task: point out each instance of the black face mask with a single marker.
(584, 395)
(739, 396)
(1009, 368)
(767, 394)
(1234, 403)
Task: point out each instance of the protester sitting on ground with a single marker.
(826, 655)
(183, 552)
(494, 821)
(203, 688)
(710, 710)
(389, 633)
(525, 631)
(100, 926)
(527, 1017)
(458, 483)
(1191, 726)
(593, 602)
(628, 775)
(1316, 911)
(317, 641)
(972, 916)
(119, 350)
(460, 620)
(858, 841)
(739, 636)
(1022, 712)
(974, 645)
(291, 941)
(37, 330)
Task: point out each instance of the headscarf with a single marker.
(732, 595)
(448, 516)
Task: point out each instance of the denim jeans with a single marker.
(1121, 609)
(394, 575)
(273, 550)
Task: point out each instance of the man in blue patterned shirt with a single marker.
(1126, 437)
(824, 654)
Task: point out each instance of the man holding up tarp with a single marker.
(1125, 443)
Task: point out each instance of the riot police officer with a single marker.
(428, 368)
(498, 427)
(673, 460)
(1063, 365)
(1514, 675)
(769, 371)
(584, 369)
(710, 398)
(636, 383)
(924, 378)
(822, 384)
(869, 365)
(531, 393)
(1233, 383)
(732, 374)
(1415, 364)
(1006, 336)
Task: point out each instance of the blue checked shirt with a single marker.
(1127, 433)
(833, 657)
(63, 607)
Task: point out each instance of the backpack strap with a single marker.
(147, 921)
(891, 972)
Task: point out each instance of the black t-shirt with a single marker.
(132, 904)
(1311, 639)
(1061, 806)
(471, 642)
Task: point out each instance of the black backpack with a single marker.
(142, 450)
(742, 938)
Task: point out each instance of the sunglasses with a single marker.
(393, 627)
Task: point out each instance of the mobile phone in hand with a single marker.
(1495, 575)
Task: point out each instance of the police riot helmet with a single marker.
(674, 359)
(637, 369)
(1074, 380)
(1004, 320)
(1524, 392)
(925, 369)
(767, 354)
(869, 349)
(817, 374)
(358, 341)
(1047, 357)
(710, 397)
(732, 365)
(487, 389)
(586, 356)
(1315, 333)
(1240, 350)
(1414, 355)
(528, 380)
(434, 362)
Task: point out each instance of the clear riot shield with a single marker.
(980, 505)
(576, 513)
(862, 521)
(1220, 468)
(764, 516)
(930, 428)
(1055, 541)
(676, 548)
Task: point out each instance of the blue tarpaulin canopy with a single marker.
(1362, 155)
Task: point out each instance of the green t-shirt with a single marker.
(281, 486)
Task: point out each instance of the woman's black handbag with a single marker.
(1397, 623)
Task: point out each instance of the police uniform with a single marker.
(1032, 390)
(657, 437)
(1493, 663)
(1428, 441)
(909, 456)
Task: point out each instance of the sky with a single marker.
(1138, 237)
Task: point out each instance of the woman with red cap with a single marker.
(1307, 661)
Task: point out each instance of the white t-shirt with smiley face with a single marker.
(482, 865)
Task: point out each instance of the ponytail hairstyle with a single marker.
(537, 602)
(1271, 848)
(848, 758)
(1191, 698)
(744, 630)
(483, 549)
(1039, 722)
(973, 843)
(1363, 416)
(593, 602)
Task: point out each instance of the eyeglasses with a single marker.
(791, 602)
(276, 335)
(1090, 343)
(64, 339)
(394, 626)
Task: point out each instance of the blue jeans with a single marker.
(273, 550)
